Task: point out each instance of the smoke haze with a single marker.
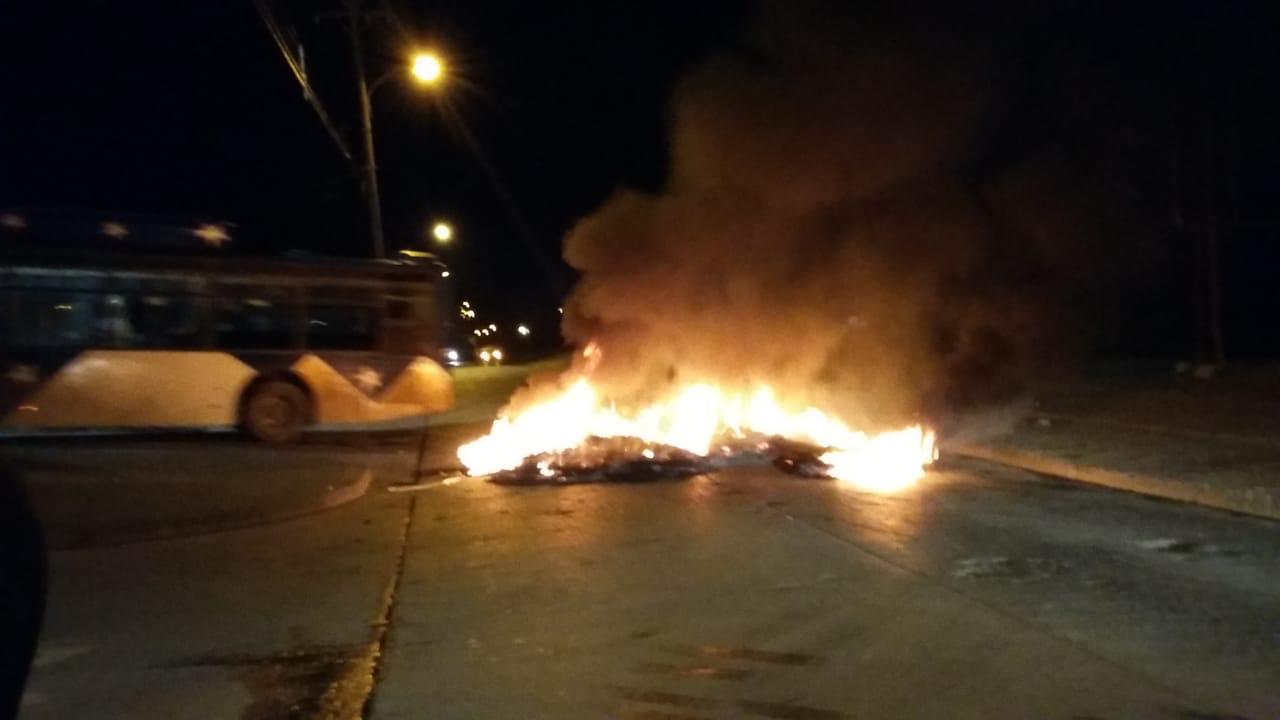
(851, 218)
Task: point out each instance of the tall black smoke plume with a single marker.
(867, 211)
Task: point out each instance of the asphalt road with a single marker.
(983, 593)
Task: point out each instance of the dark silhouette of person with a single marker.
(22, 589)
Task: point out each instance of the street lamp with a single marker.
(427, 69)
(442, 232)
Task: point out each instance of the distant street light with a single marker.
(442, 232)
(523, 330)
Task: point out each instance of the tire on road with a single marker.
(275, 411)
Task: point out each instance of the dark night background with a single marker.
(186, 109)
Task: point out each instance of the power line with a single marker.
(555, 281)
(300, 74)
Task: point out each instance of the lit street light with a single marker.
(523, 330)
(442, 232)
(427, 68)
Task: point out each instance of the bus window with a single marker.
(256, 317)
(113, 326)
(161, 321)
(341, 327)
(9, 315)
(51, 308)
(412, 324)
(153, 312)
(48, 318)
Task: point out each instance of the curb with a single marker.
(1258, 501)
(1161, 429)
(334, 497)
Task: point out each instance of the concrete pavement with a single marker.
(751, 594)
(104, 491)
(745, 594)
(271, 622)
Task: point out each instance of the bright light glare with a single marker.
(697, 418)
(444, 274)
(484, 355)
(442, 232)
(497, 354)
(523, 330)
(427, 67)
(451, 354)
(493, 327)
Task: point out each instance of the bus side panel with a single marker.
(336, 399)
(422, 387)
(423, 383)
(137, 388)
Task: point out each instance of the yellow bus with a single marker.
(272, 347)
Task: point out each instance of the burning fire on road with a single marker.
(826, 263)
(575, 431)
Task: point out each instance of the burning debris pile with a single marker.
(571, 433)
(845, 254)
(608, 459)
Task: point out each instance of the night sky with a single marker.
(187, 110)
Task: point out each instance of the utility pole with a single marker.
(1211, 230)
(426, 67)
(366, 123)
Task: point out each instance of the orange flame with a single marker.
(694, 420)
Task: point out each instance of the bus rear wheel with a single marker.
(275, 411)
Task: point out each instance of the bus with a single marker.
(272, 347)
